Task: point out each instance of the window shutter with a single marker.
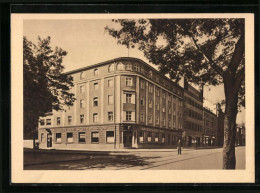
(124, 115)
(133, 99)
(133, 116)
(124, 98)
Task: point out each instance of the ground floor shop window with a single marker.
(141, 136)
(94, 137)
(163, 138)
(58, 138)
(110, 136)
(149, 138)
(70, 137)
(82, 137)
(156, 139)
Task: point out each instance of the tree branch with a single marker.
(240, 77)
(212, 63)
(238, 54)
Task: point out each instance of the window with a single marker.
(42, 137)
(163, 138)
(120, 66)
(157, 120)
(149, 137)
(82, 137)
(128, 115)
(110, 99)
(136, 67)
(110, 136)
(82, 103)
(150, 74)
(141, 136)
(170, 110)
(58, 120)
(69, 120)
(128, 98)
(157, 92)
(96, 72)
(48, 121)
(95, 85)
(110, 116)
(164, 122)
(94, 137)
(129, 82)
(82, 89)
(128, 66)
(95, 117)
(142, 84)
(81, 118)
(163, 109)
(150, 103)
(70, 137)
(156, 139)
(81, 76)
(110, 83)
(150, 119)
(42, 122)
(169, 123)
(111, 68)
(95, 101)
(142, 101)
(142, 117)
(157, 106)
(163, 94)
(150, 88)
(58, 138)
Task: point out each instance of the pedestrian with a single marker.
(179, 145)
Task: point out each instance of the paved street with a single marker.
(129, 160)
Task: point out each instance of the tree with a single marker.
(204, 51)
(45, 86)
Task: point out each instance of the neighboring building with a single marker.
(210, 127)
(121, 103)
(193, 116)
(220, 130)
(240, 135)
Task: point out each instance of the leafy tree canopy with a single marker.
(45, 86)
(201, 50)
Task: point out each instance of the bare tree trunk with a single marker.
(229, 158)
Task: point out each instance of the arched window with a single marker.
(128, 66)
(120, 66)
(150, 74)
(81, 75)
(111, 68)
(96, 72)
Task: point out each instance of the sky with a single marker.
(87, 43)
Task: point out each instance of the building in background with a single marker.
(193, 116)
(121, 103)
(210, 127)
(220, 129)
(240, 135)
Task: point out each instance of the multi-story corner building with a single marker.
(193, 116)
(120, 103)
(210, 127)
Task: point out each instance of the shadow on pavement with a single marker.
(64, 160)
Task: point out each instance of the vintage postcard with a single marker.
(132, 98)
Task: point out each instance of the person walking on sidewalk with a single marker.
(179, 145)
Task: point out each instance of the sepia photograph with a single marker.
(132, 98)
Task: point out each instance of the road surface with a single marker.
(202, 159)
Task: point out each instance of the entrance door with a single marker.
(127, 138)
(49, 140)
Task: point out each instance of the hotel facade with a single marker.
(120, 103)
